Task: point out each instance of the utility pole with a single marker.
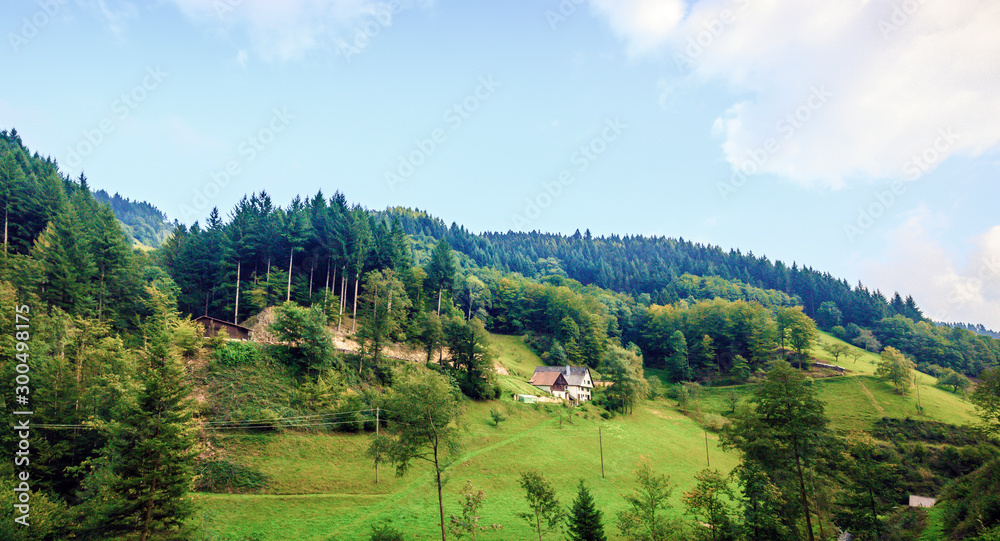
(600, 439)
(376, 437)
(707, 460)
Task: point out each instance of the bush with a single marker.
(223, 476)
(715, 422)
(384, 532)
(237, 354)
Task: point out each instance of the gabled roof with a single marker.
(547, 379)
(200, 319)
(574, 374)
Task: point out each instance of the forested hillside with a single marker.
(141, 221)
(126, 395)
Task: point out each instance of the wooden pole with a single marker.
(708, 461)
(376, 436)
(600, 439)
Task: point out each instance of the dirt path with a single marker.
(871, 397)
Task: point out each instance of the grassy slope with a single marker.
(857, 400)
(323, 485)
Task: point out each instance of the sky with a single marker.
(856, 137)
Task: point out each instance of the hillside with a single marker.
(130, 400)
(143, 223)
(313, 473)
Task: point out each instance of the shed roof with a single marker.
(221, 322)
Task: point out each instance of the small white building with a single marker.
(573, 383)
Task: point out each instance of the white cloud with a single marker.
(645, 24)
(896, 79)
(242, 57)
(287, 30)
(946, 287)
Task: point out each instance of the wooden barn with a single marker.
(213, 326)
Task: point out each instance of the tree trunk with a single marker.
(5, 213)
(326, 294)
(343, 292)
(354, 313)
(291, 253)
(439, 302)
(236, 311)
(805, 499)
(312, 267)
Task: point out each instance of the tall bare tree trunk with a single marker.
(439, 302)
(326, 290)
(312, 267)
(343, 293)
(236, 311)
(291, 253)
(5, 213)
(354, 314)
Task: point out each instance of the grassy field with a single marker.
(858, 399)
(324, 487)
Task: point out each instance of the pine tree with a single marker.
(148, 458)
(584, 518)
(441, 270)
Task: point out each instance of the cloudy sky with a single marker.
(857, 137)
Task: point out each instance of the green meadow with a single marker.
(323, 487)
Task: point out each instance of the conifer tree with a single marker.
(148, 459)
(585, 522)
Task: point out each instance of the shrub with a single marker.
(715, 422)
(237, 354)
(223, 476)
(384, 532)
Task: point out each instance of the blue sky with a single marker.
(858, 138)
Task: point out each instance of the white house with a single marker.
(571, 382)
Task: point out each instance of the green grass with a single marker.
(858, 399)
(513, 355)
(934, 531)
(323, 488)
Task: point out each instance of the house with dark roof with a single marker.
(573, 383)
